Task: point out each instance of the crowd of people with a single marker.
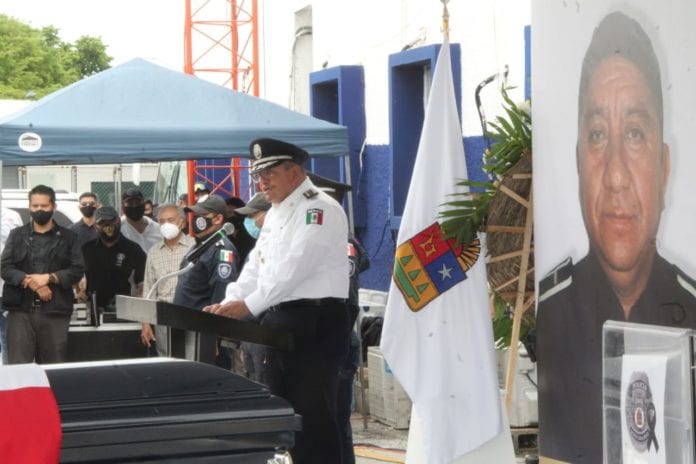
(284, 266)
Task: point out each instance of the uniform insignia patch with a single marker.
(226, 256)
(427, 265)
(641, 416)
(224, 270)
(120, 258)
(311, 193)
(257, 151)
(200, 222)
(315, 216)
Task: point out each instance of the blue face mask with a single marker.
(251, 227)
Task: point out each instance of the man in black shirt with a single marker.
(40, 264)
(112, 260)
(84, 228)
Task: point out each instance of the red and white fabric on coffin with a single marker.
(30, 431)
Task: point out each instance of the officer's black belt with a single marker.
(304, 302)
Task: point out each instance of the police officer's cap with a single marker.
(332, 187)
(257, 203)
(105, 213)
(213, 204)
(267, 153)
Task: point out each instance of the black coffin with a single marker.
(167, 410)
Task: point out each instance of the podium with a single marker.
(648, 388)
(181, 319)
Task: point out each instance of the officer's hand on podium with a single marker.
(146, 335)
(233, 309)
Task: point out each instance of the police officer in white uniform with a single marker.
(297, 279)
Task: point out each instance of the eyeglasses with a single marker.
(267, 174)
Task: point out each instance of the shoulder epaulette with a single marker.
(686, 282)
(559, 278)
(311, 193)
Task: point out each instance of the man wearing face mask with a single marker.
(162, 259)
(84, 228)
(206, 282)
(40, 264)
(112, 261)
(135, 225)
(255, 212)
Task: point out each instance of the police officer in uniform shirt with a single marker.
(205, 283)
(623, 167)
(296, 278)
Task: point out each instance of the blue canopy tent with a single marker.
(143, 112)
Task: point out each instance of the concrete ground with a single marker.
(379, 443)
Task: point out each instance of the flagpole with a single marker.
(445, 20)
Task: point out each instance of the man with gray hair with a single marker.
(162, 259)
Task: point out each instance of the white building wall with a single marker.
(366, 32)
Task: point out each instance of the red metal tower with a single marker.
(221, 45)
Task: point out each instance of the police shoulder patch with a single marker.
(224, 270)
(558, 279)
(311, 193)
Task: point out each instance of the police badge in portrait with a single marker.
(641, 416)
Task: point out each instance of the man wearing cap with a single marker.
(200, 192)
(254, 214)
(135, 226)
(207, 280)
(40, 264)
(112, 261)
(296, 278)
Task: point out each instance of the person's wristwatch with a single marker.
(52, 278)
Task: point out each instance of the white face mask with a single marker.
(169, 230)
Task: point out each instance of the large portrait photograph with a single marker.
(615, 196)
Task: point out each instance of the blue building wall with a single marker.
(377, 236)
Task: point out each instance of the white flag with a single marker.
(438, 336)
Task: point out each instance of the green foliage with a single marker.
(466, 214)
(502, 322)
(38, 61)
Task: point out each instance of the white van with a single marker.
(67, 205)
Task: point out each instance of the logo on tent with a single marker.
(427, 265)
(29, 142)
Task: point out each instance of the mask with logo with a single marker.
(134, 213)
(110, 232)
(41, 217)
(88, 211)
(251, 227)
(169, 230)
(201, 223)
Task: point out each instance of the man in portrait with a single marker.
(623, 165)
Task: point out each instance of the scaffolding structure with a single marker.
(221, 44)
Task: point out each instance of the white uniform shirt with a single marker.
(150, 236)
(300, 253)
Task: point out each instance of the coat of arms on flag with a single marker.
(315, 216)
(427, 265)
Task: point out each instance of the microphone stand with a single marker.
(151, 292)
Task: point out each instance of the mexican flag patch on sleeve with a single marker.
(226, 256)
(315, 216)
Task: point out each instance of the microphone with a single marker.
(193, 255)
